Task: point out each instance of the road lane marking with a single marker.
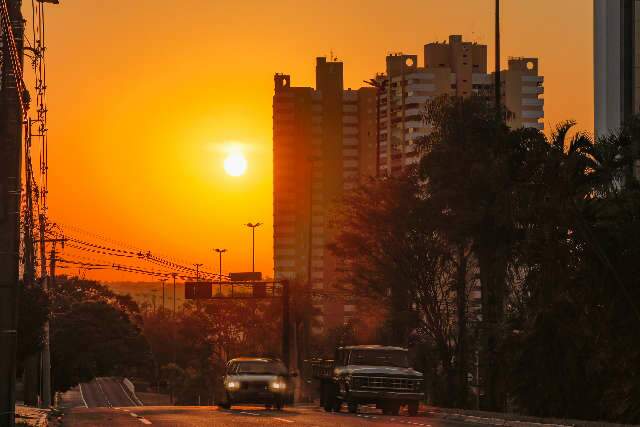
(103, 393)
(139, 417)
(283, 419)
(250, 413)
(82, 397)
(127, 394)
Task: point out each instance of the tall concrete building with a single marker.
(457, 68)
(324, 140)
(616, 63)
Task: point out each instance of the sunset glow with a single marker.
(172, 117)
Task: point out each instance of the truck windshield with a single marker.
(261, 368)
(379, 358)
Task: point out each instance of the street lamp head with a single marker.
(220, 251)
(250, 225)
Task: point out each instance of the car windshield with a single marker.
(379, 358)
(260, 367)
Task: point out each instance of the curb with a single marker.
(498, 421)
(510, 419)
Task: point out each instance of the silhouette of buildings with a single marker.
(456, 68)
(323, 142)
(616, 69)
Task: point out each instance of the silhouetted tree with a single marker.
(93, 333)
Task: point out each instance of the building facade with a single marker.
(456, 68)
(616, 64)
(324, 141)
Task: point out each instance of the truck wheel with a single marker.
(279, 405)
(413, 408)
(337, 405)
(353, 407)
(395, 408)
(390, 408)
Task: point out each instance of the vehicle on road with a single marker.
(369, 374)
(256, 380)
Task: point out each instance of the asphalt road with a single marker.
(105, 392)
(239, 416)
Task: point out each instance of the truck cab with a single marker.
(370, 374)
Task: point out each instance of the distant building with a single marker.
(456, 68)
(616, 68)
(324, 140)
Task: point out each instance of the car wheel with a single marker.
(279, 404)
(337, 405)
(327, 400)
(353, 407)
(268, 406)
(413, 408)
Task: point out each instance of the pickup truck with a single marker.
(369, 374)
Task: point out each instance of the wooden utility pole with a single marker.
(498, 81)
(11, 120)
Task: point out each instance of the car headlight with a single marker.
(278, 385)
(232, 385)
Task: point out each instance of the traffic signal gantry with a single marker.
(247, 285)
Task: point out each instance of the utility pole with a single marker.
(253, 250)
(174, 317)
(12, 115)
(48, 283)
(197, 266)
(498, 81)
(163, 282)
(286, 324)
(220, 252)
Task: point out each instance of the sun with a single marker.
(235, 164)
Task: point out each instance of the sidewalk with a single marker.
(508, 420)
(32, 417)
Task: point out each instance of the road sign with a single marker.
(245, 276)
(197, 290)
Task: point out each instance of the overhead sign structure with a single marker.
(197, 290)
(249, 276)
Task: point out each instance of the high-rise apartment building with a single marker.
(457, 68)
(324, 140)
(616, 63)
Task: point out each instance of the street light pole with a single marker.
(253, 250)
(173, 323)
(220, 252)
(380, 86)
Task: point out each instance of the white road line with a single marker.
(82, 397)
(145, 421)
(103, 393)
(127, 394)
(283, 419)
(250, 413)
(133, 415)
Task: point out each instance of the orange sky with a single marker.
(143, 96)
